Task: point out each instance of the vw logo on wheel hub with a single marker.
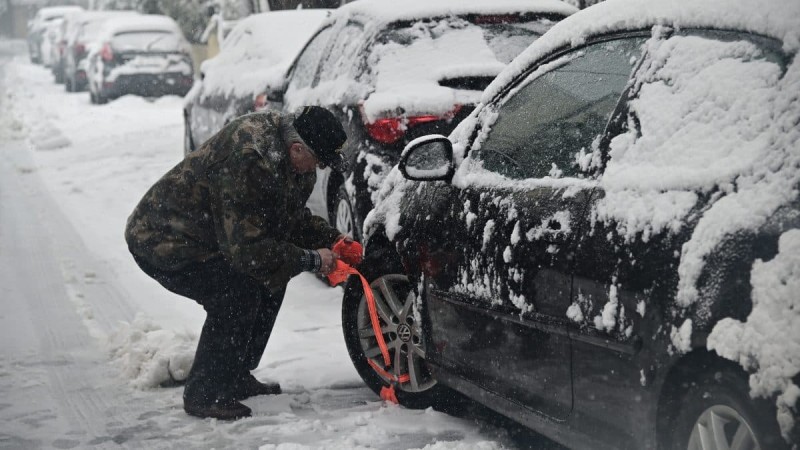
(404, 332)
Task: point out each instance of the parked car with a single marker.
(36, 28)
(257, 52)
(607, 249)
(142, 55)
(79, 42)
(49, 41)
(66, 27)
(391, 74)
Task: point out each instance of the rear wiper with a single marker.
(147, 47)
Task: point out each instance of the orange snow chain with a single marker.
(338, 275)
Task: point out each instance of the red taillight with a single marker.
(260, 102)
(390, 130)
(386, 131)
(106, 53)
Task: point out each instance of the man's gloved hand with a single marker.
(327, 260)
(348, 250)
(339, 274)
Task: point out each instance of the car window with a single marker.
(343, 59)
(542, 125)
(145, 41)
(692, 117)
(306, 67)
(233, 38)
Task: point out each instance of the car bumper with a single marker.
(149, 85)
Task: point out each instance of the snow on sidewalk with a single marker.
(96, 162)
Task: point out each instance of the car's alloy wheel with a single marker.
(344, 218)
(721, 427)
(717, 412)
(400, 326)
(401, 330)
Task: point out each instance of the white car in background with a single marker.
(37, 26)
(140, 54)
(80, 40)
(50, 34)
(256, 53)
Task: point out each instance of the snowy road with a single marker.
(86, 338)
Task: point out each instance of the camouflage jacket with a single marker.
(235, 197)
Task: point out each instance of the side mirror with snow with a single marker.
(428, 158)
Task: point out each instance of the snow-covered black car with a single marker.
(255, 54)
(392, 73)
(142, 55)
(607, 249)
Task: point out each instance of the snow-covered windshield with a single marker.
(505, 35)
(418, 65)
(146, 41)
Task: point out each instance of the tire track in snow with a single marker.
(54, 380)
(57, 340)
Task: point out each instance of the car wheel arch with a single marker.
(677, 381)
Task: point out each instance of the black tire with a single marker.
(343, 215)
(68, 85)
(723, 394)
(100, 99)
(383, 264)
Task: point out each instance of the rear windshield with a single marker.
(90, 30)
(146, 41)
(506, 36)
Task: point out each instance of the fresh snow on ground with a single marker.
(87, 337)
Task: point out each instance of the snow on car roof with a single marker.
(773, 18)
(56, 11)
(259, 50)
(390, 11)
(90, 16)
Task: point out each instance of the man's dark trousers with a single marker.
(240, 314)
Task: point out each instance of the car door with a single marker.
(304, 72)
(504, 258)
(628, 325)
(214, 108)
(332, 84)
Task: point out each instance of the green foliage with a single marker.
(191, 15)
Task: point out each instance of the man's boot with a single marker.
(248, 386)
(220, 409)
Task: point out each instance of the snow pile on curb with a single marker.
(769, 341)
(149, 355)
